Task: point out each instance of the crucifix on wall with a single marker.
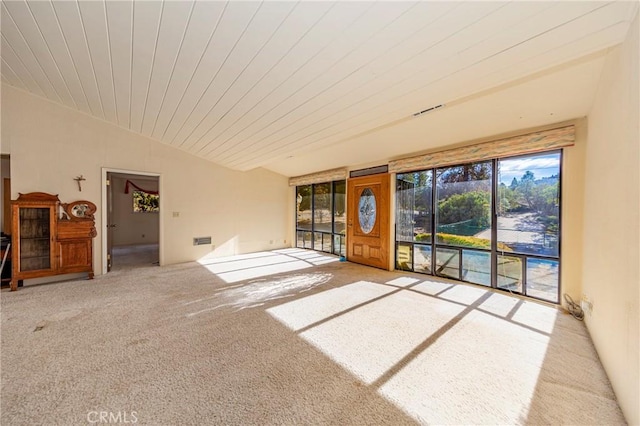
(79, 179)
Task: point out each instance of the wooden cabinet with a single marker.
(51, 238)
(33, 250)
(74, 246)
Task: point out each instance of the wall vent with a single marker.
(200, 241)
(417, 114)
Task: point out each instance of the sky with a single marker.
(541, 165)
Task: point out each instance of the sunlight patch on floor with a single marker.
(499, 304)
(482, 371)
(209, 259)
(233, 269)
(432, 287)
(437, 358)
(306, 254)
(463, 294)
(232, 265)
(259, 292)
(258, 271)
(536, 316)
(403, 281)
(309, 310)
(324, 260)
(370, 340)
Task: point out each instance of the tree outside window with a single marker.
(145, 203)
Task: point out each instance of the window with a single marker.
(321, 217)
(497, 223)
(414, 206)
(463, 205)
(303, 207)
(529, 204)
(463, 220)
(528, 224)
(339, 207)
(322, 208)
(145, 203)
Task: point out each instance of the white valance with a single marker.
(545, 140)
(320, 177)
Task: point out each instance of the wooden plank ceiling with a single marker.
(245, 84)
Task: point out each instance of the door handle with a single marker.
(111, 226)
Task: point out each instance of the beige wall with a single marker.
(51, 144)
(571, 238)
(611, 223)
(132, 227)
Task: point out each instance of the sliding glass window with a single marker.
(339, 217)
(321, 216)
(463, 222)
(414, 216)
(322, 208)
(496, 222)
(528, 225)
(304, 216)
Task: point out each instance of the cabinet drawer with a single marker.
(73, 229)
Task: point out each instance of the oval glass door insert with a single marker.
(367, 210)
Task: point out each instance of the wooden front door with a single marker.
(368, 220)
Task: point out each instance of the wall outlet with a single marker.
(176, 214)
(270, 241)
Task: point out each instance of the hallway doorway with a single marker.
(132, 220)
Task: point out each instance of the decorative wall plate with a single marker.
(80, 209)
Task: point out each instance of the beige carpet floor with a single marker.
(292, 337)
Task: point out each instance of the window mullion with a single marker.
(434, 179)
(494, 224)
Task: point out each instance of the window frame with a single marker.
(330, 242)
(493, 250)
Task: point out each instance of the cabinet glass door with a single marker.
(35, 239)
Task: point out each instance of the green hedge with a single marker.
(469, 206)
(463, 241)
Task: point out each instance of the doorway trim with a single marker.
(103, 225)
